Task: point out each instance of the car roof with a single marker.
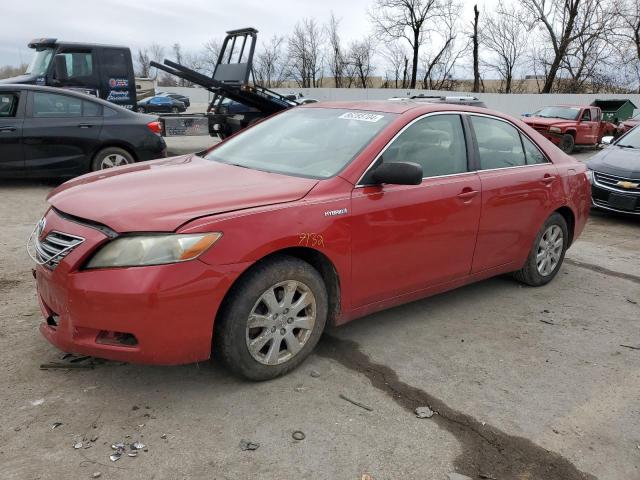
(64, 91)
(400, 107)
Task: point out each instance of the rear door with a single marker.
(60, 132)
(406, 238)
(519, 188)
(12, 105)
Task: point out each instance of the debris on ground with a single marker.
(424, 412)
(300, 388)
(357, 404)
(248, 445)
(96, 474)
(298, 435)
(366, 476)
(121, 449)
(69, 360)
(163, 436)
(632, 347)
(37, 403)
(633, 302)
(77, 445)
(314, 373)
(457, 476)
(17, 429)
(486, 476)
(548, 322)
(55, 425)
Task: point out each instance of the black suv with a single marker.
(53, 132)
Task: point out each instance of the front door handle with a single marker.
(548, 179)
(85, 125)
(8, 129)
(467, 194)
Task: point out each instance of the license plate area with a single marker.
(622, 202)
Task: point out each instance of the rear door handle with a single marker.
(8, 129)
(548, 179)
(85, 125)
(467, 194)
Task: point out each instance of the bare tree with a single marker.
(443, 55)
(336, 54)
(505, 38)
(143, 63)
(475, 39)
(210, 54)
(628, 13)
(564, 22)
(360, 59)
(9, 71)
(408, 20)
(304, 53)
(397, 60)
(269, 64)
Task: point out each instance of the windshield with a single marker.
(566, 113)
(307, 142)
(630, 140)
(40, 62)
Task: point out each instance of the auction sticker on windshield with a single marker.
(364, 117)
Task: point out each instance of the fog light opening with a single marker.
(52, 320)
(123, 339)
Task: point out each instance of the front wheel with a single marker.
(273, 319)
(567, 143)
(547, 253)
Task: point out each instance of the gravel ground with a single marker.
(526, 384)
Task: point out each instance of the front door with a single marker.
(519, 187)
(11, 119)
(408, 237)
(60, 132)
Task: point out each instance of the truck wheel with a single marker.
(273, 319)
(140, 109)
(567, 143)
(111, 157)
(547, 253)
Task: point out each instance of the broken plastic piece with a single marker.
(55, 425)
(248, 445)
(424, 412)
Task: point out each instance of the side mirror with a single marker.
(608, 140)
(398, 173)
(60, 71)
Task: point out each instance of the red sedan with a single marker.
(316, 216)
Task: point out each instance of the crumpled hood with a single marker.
(163, 194)
(621, 162)
(547, 122)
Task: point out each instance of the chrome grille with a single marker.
(50, 250)
(611, 182)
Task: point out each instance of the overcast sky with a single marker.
(138, 23)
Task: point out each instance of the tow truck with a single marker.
(232, 79)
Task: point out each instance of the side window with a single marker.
(52, 105)
(595, 115)
(114, 63)
(499, 143)
(91, 109)
(8, 104)
(79, 64)
(586, 115)
(437, 143)
(533, 153)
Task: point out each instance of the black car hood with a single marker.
(618, 161)
(19, 79)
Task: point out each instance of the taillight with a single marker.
(155, 127)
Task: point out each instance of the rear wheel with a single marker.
(111, 157)
(547, 253)
(140, 109)
(175, 110)
(567, 143)
(273, 320)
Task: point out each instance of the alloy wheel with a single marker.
(281, 322)
(549, 250)
(113, 160)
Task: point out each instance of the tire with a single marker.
(531, 274)
(111, 157)
(175, 110)
(140, 110)
(233, 337)
(567, 143)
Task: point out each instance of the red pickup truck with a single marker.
(569, 126)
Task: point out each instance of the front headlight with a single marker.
(589, 175)
(555, 129)
(139, 250)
